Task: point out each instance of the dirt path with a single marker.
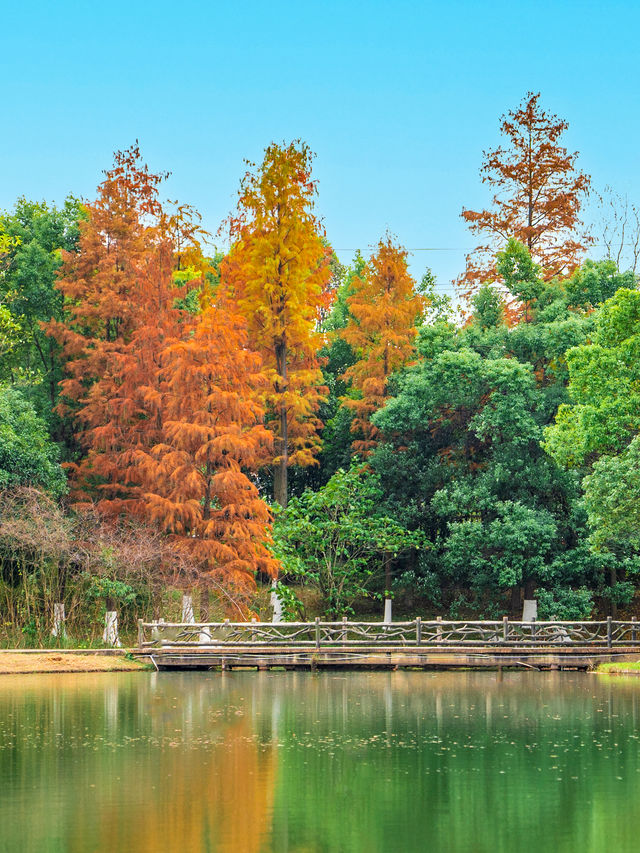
(58, 661)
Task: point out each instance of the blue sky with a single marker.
(398, 100)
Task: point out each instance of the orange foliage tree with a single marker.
(278, 273)
(197, 487)
(538, 193)
(384, 308)
(165, 402)
(119, 313)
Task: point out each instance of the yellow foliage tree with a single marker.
(278, 272)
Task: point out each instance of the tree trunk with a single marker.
(280, 484)
(280, 469)
(110, 636)
(205, 604)
(516, 602)
(59, 629)
(387, 575)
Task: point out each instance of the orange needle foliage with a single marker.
(167, 403)
(120, 311)
(538, 193)
(278, 273)
(384, 308)
(213, 432)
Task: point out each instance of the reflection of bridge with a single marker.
(419, 643)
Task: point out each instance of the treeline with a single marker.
(176, 418)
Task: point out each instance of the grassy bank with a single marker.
(628, 667)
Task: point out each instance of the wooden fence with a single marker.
(395, 635)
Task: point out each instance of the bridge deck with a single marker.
(417, 643)
(480, 657)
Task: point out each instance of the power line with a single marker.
(423, 249)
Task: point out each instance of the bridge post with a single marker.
(140, 634)
(418, 631)
(609, 631)
(505, 628)
(633, 629)
(318, 633)
(439, 630)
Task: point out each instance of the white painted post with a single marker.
(59, 628)
(275, 603)
(187, 613)
(187, 610)
(387, 611)
(110, 635)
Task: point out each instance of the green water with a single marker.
(250, 762)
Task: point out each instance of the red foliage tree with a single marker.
(538, 193)
(120, 311)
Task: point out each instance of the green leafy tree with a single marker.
(596, 281)
(508, 549)
(488, 308)
(27, 455)
(462, 462)
(612, 497)
(338, 540)
(604, 388)
(38, 234)
(598, 434)
(10, 335)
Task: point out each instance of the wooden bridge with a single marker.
(417, 644)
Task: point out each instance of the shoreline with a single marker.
(31, 661)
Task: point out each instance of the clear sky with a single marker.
(398, 100)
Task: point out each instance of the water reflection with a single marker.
(263, 762)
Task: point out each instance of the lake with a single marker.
(319, 763)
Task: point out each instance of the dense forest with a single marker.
(177, 418)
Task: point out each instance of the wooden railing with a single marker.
(417, 633)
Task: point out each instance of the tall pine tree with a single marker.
(196, 482)
(383, 312)
(119, 311)
(538, 192)
(278, 273)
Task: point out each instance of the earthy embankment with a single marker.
(59, 660)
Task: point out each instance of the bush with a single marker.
(564, 604)
(48, 557)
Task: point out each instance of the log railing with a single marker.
(417, 633)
